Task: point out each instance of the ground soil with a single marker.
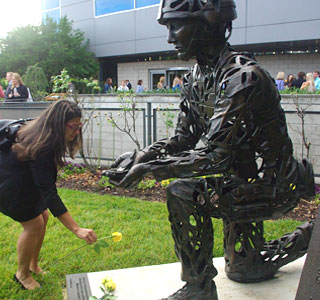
(306, 210)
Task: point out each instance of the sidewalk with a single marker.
(155, 282)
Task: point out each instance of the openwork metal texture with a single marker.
(244, 172)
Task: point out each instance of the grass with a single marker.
(146, 241)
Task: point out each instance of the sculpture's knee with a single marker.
(181, 189)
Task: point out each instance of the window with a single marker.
(50, 4)
(142, 3)
(104, 7)
(54, 14)
(109, 6)
(51, 9)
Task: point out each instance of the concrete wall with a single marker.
(137, 31)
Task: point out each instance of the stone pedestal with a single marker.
(155, 282)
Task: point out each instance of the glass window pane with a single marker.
(109, 6)
(54, 14)
(50, 4)
(142, 3)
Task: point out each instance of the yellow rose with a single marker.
(116, 236)
(106, 279)
(110, 286)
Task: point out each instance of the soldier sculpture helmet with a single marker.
(210, 11)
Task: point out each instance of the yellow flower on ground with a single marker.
(106, 279)
(110, 286)
(116, 236)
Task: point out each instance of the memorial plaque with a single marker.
(78, 287)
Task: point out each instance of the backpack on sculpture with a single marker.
(8, 131)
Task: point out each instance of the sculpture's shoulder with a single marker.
(238, 71)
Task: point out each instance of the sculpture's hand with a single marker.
(124, 159)
(135, 174)
(120, 167)
(124, 163)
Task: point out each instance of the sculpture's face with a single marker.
(182, 34)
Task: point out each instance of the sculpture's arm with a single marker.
(187, 134)
(226, 134)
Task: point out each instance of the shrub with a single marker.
(35, 79)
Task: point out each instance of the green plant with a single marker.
(294, 91)
(61, 82)
(86, 86)
(71, 168)
(146, 184)
(104, 182)
(163, 91)
(3, 83)
(166, 182)
(35, 79)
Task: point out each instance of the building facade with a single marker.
(130, 44)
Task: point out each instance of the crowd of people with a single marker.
(309, 82)
(126, 85)
(16, 90)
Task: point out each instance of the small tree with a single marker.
(301, 110)
(129, 114)
(35, 79)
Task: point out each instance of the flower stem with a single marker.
(71, 252)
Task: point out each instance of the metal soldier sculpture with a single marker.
(233, 106)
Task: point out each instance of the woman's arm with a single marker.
(83, 233)
(1, 92)
(304, 85)
(23, 92)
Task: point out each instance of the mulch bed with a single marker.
(89, 182)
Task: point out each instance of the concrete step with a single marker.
(156, 282)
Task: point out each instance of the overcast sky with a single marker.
(17, 13)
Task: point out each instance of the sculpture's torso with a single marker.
(236, 107)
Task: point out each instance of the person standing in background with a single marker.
(177, 82)
(309, 83)
(161, 83)
(289, 81)
(123, 87)
(297, 83)
(9, 80)
(280, 81)
(316, 77)
(140, 88)
(17, 92)
(128, 84)
(108, 85)
(2, 94)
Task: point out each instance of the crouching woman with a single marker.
(28, 182)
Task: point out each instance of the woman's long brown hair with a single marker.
(47, 134)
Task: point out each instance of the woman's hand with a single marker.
(86, 234)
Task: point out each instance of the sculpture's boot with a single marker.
(195, 292)
(253, 261)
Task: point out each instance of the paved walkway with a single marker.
(155, 282)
